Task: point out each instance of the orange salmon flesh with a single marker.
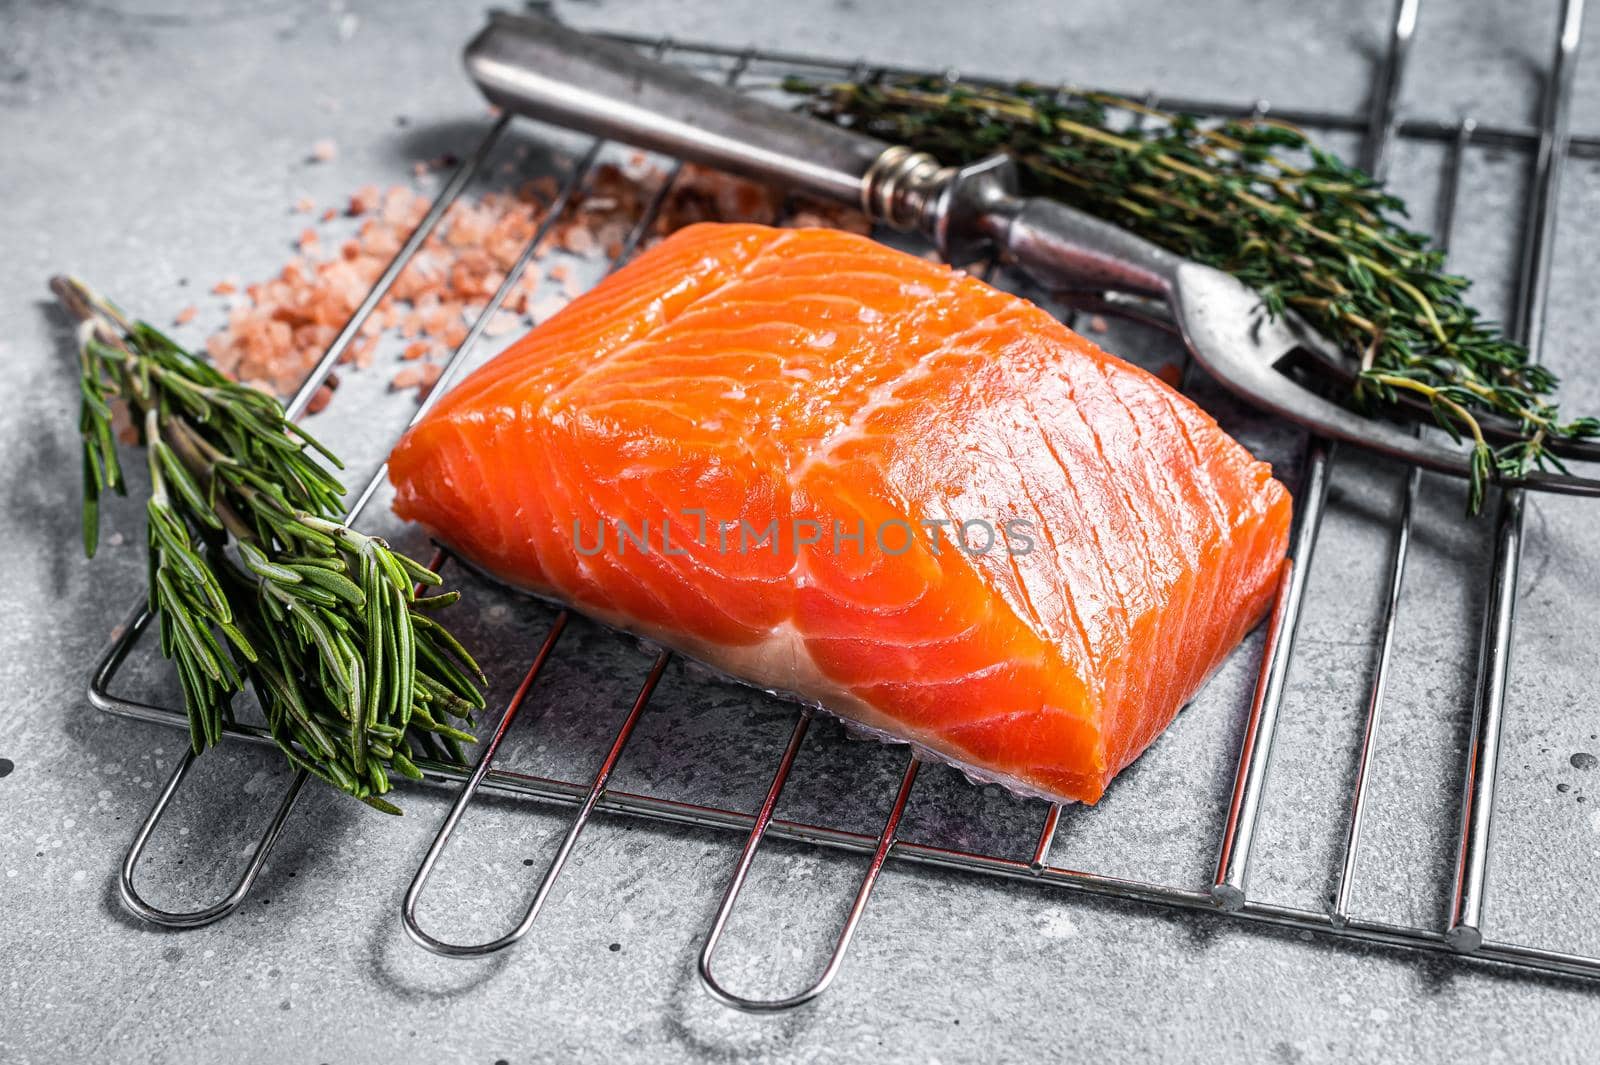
(743, 445)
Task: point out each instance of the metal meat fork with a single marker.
(540, 68)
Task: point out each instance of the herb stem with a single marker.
(253, 576)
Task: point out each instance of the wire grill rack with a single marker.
(1461, 932)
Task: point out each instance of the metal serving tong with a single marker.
(537, 67)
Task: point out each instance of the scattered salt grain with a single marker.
(502, 323)
(365, 199)
(578, 241)
(545, 186)
(430, 377)
(547, 308)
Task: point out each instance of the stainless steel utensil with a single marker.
(540, 68)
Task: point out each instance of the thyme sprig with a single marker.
(1256, 199)
(255, 579)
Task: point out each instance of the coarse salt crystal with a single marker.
(577, 240)
(502, 323)
(365, 199)
(547, 308)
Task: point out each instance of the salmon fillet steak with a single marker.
(871, 482)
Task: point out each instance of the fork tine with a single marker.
(1281, 395)
(1339, 371)
(1233, 338)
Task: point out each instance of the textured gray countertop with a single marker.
(155, 148)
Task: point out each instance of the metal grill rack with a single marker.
(1461, 932)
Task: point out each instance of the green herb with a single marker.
(1254, 198)
(253, 577)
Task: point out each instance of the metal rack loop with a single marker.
(1339, 910)
(1228, 887)
(880, 854)
(1464, 931)
(241, 888)
(597, 787)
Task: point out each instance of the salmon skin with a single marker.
(873, 483)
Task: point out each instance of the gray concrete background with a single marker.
(155, 147)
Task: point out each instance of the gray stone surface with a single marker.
(155, 147)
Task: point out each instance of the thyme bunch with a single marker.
(1256, 199)
(254, 578)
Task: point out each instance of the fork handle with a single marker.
(1060, 245)
(537, 67)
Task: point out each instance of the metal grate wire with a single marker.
(1550, 144)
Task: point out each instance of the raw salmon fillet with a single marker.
(835, 387)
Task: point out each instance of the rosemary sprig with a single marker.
(254, 578)
(1257, 199)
